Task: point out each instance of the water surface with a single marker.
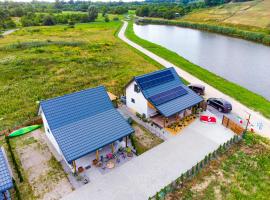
(243, 62)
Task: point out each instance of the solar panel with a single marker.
(155, 79)
(166, 96)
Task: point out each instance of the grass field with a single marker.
(241, 173)
(251, 15)
(43, 62)
(239, 93)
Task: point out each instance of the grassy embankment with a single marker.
(241, 173)
(43, 62)
(246, 97)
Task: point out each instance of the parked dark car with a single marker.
(199, 89)
(220, 104)
(123, 99)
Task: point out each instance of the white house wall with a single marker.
(140, 104)
(52, 140)
(50, 135)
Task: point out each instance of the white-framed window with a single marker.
(132, 100)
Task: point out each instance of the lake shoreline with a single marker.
(257, 37)
(241, 94)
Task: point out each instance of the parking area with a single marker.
(146, 174)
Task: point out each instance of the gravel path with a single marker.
(260, 124)
(9, 32)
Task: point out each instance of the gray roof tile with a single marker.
(5, 176)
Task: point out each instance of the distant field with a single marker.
(253, 13)
(43, 62)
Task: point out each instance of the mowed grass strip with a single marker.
(246, 97)
(43, 62)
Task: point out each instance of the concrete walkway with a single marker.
(261, 124)
(146, 174)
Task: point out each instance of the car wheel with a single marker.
(220, 109)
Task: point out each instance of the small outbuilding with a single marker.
(81, 123)
(6, 182)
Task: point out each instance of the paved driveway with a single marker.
(143, 176)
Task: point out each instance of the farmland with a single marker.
(43, 62)
(242, 15)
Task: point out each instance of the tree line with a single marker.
(167, 10)
(46, 13)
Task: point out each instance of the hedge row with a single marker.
(247, 35)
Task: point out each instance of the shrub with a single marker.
(48, 20)
(115, 19)
(106, 18)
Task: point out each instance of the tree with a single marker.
(106, 18)
(92, 13)
(48, 20)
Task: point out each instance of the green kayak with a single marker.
(24, 130)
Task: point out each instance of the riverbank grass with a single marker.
(244, 96)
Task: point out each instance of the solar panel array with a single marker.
(169, 95)
(155, 79)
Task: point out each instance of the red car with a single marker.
(205, 118)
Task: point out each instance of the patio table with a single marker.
(110, 165)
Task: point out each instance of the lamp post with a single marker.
(248, 121)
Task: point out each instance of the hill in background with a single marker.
(252, 13)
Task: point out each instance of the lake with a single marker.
(243, 62)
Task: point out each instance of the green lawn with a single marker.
(246, 97)
(241, 173)
(43, 62)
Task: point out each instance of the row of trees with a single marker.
(33, 19)
(5, 20)
(167, 11)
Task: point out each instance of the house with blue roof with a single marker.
(80, 124)
(161, 94)
(6, 182)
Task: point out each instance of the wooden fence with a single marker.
(235, 127)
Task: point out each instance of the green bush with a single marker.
(106, 18)
(115, 19)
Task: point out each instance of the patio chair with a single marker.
(85, 179)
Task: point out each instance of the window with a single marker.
(136, 88)
(132, 100)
